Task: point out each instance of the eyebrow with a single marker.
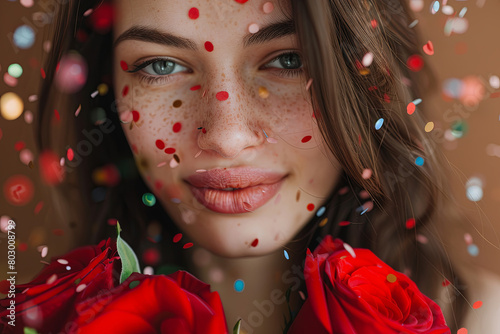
(152, 35)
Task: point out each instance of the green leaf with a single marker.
(130, 263)
(237, 326)
(28, 330)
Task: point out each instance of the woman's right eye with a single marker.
(162, 67)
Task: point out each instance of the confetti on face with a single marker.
(188, 245)
(429, 48)
(255, 242)
(410, 108)
(170, 150)
(263, 92)
(195, 87)
(193, 13)
(125, 91)
(222, 95)
(271, 140)
(173, 163)
(253, 28)
(15, 70)
(160, 144)
(410, 223)
(415, 63)
(310, 207)
(135, 115)
(239, 285)
(477, 304)
(177, 103)
(241, 1)
(18, 190)
(413, 24)
(177, 127)
(268, 7)
(209, 46)
(306, 139)
(123, 65)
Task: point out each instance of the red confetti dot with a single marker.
(387, 99)
(195, 87)
(194, 13)
(310, 206)
(19, 146)
(410, 223)
(170, 150)
(255, 242)
(177, 127)
(241, 1)
(135, 115)
(477, 304)
(22, 246)
(374, 23)
(203, 130)
(70, 154)
(209, 46)
(410, 109)
(306, 139)
(42, 72)
(56, 114)
(160, 144)
(101, 18)
(125, 90)
(188, 245)
(112, 221)
(38, 207)
(151, 256)
(177, 237)
(18, 190)
(58, 231)
(415, 63)
(50, 169)
(123, 65)
(445, 283)
(222, 96)
(344, 223)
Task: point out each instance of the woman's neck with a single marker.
(261, 304)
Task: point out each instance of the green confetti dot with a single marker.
(148, 199)
(15, 70)
(133, 284)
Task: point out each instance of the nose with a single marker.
(230, 118)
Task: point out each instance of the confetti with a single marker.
(123, 65)
(367, 59)
(321, 211)
(344, 223)
(188, 245)
(374, 23)
(160, 144)
(177, 237)
(173, 163)
(413, 24)
(77, 112)
(419, 161)
(410, 108)
(195, 87)
(198, 154)
(222, 96)
(170, 150)
(477, 304)
(468, 238)
(24, 37)
(429, 48)
(306, 139)
(11, 106)
(209, 46)
(349, 249)
(391, 278)
(135, 115)
(253, 28)
(367, 173)
(309, 83)
(415, 63)
(148, 199)
(263, 92)
(177, 127)
(410, 223)
(379, 123)
(239, 285)
(268, 7)
(15, 70)
(255, 242)
(193, 13)
(286, 254)
(429, 127)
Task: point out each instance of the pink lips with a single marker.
(258, 186)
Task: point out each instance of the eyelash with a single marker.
(162, 79)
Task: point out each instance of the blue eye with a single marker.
(287, 61)
(161, 67)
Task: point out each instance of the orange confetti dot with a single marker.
(462, 331)
(410, 109)
(477, 304)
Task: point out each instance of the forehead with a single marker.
(206, 18)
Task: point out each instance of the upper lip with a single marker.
(237, 177)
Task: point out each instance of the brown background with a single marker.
(476, 52)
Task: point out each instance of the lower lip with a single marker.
(237, 201)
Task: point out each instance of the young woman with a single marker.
(304, 105)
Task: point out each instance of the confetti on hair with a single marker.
(415, 63)
(410, 108)
(379, 123)
(473, 250)
(77, 112)
(323, 222)
(286, 254)
(193, 13)
(344, 223)
(94, 93)
(70, 154)
(374, 23)
(222, 96)
(413, 24)
(410, 223)
(148, 199)
(268, 7)
(309, 83)
(422, 239)
(419, 161)
(367, 59)
(38, 208)
(177, 237)
(253, 28)
(209, 46)
(188, 245)
(321, 211)
(241, 1)
(349, 249)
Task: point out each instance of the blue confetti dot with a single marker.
(473, 250)
(24, 37)
(379, 123)
(286, 254)
(239, 285)
(321, 211)
(419, 161)
(435, 6)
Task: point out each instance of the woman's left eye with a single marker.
(161, 67)
(287, 61)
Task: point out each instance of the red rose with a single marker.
(361, 294)
(46, 302)
(175, 304)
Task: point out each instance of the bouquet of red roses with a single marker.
(350, 291)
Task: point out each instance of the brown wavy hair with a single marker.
(347, 98)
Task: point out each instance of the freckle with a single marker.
(177, 127)
(268, 7)
(209, 46)
(125, 91)
(170, 150)
(306, 139)
(298, 195)
(253, 28)
(135, 115)
(194, 13)
(123, 65)
(177, 103)
(160, 144)
(222, 96)
(195, 87)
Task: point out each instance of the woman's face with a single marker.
(201, 92)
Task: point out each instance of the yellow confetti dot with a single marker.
(429, 127)
(263, 92)
(364, 71)
(103, 89)
(391, 278)
(11, 106)
(323, 222)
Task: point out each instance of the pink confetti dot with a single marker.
(253, 28)
(462, 330)
(367, 173)
(429, 48)
(209, 46)
(306, 139)
(160, 144)
(222, 96)
(135, 115)
(177, 127)
(194, 13)
(268, 7)
(123, 65)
